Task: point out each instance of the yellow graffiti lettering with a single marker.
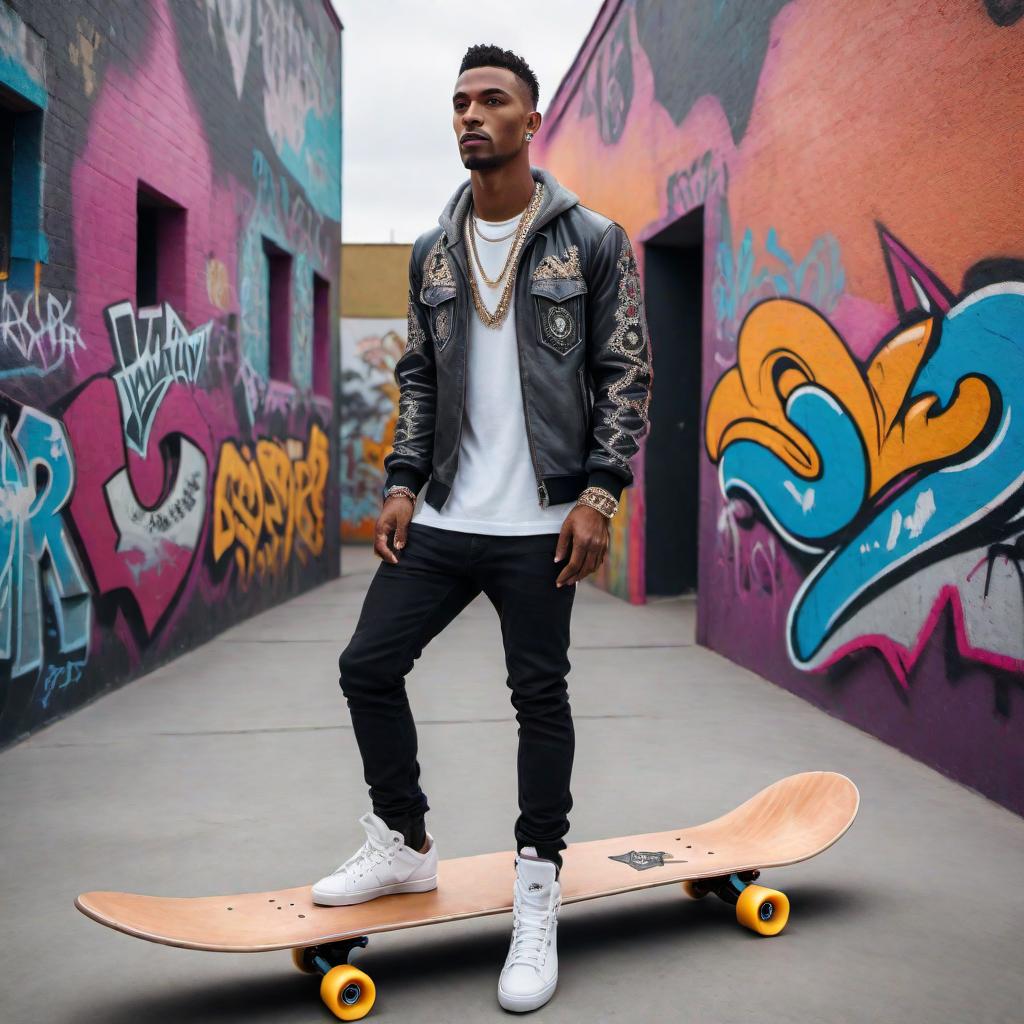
(278, 504)
(310, 488)
(237, 509)
(784, 345)
(270, 504)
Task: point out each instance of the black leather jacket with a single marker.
(584, 351)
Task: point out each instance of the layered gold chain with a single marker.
(511, 267)
(487, 238)
(476, 254)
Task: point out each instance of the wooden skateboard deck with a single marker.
(787, 822)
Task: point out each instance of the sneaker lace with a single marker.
(367, 857)
(531, 925)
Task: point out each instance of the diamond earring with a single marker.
(529, 136)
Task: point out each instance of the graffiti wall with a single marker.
(369, 410)
(166, 413)
(861, 484)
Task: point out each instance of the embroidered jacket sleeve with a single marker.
(619, 362)
(409, 461)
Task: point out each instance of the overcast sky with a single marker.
(401, 58)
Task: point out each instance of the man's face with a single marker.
(490, 108)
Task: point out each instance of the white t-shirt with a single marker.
(495, 490)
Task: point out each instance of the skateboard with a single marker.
(789, 821)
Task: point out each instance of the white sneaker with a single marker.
(530, 974)
(381, 866)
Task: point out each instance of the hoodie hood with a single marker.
(557, 199)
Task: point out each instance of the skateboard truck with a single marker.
(320, 959)
(762, 910)
(726, 887)
(348, 992)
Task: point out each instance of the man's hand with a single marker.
(586, 531)
(393, 519)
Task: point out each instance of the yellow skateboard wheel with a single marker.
(762, 910)
(694, 890)
(348, 992)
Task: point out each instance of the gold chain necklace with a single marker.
(487, 238)
(508, 259)
(496, 318)
(479, 265)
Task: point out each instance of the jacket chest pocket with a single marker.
(441, 302)
(560, 306)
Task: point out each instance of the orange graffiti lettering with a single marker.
(784, 344)
(310, 488)
(237, 509)
(270, 504)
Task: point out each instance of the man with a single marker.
(524, 391)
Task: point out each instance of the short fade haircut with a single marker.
(485, 55)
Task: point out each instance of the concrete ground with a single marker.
(234, 769)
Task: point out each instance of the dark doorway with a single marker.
(673, 288)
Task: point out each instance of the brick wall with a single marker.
(155, 485)
(849, 175)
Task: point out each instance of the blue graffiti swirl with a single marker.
(983, 336)
(805, 512)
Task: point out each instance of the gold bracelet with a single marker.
(597, 497)
(400, 489)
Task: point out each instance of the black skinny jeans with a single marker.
(438, 573)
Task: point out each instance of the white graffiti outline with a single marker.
(43, 338)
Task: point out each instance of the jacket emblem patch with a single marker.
(560, 323)
(443, 325)
(553, 268)
(436, 268)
